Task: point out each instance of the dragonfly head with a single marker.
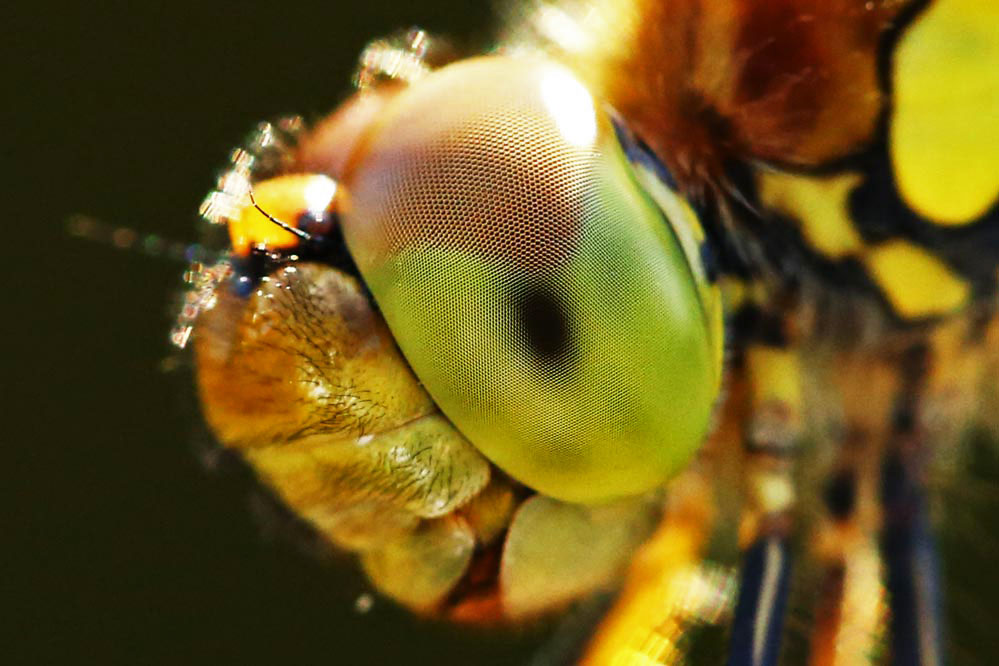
(547, 291)
(540, 294)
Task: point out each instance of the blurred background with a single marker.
(120, 545)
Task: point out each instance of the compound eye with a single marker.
(538, 293)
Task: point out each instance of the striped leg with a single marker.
(774, 428)
(759, 613)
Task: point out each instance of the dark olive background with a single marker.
(119, 545)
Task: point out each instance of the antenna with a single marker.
(130, 240)
(304, 235)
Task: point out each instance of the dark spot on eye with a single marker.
(545, 324)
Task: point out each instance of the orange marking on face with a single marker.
(286, 198)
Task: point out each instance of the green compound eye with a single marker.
(539, 293)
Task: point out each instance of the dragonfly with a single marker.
(683, 304)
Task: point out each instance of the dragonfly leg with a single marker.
(875, 539)
(907, 542)
(851, 610)
(668, 588)
(759, 613)
(773, 379)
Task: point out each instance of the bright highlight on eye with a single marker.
(557, 26)
(570, 106)
(319, 193)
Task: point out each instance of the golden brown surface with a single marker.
(304, 355)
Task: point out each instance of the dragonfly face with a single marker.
(538, 292)
(471, 326)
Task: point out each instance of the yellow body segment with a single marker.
(776, 376)
(819, 205)
(945, 126)
(916, 283)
